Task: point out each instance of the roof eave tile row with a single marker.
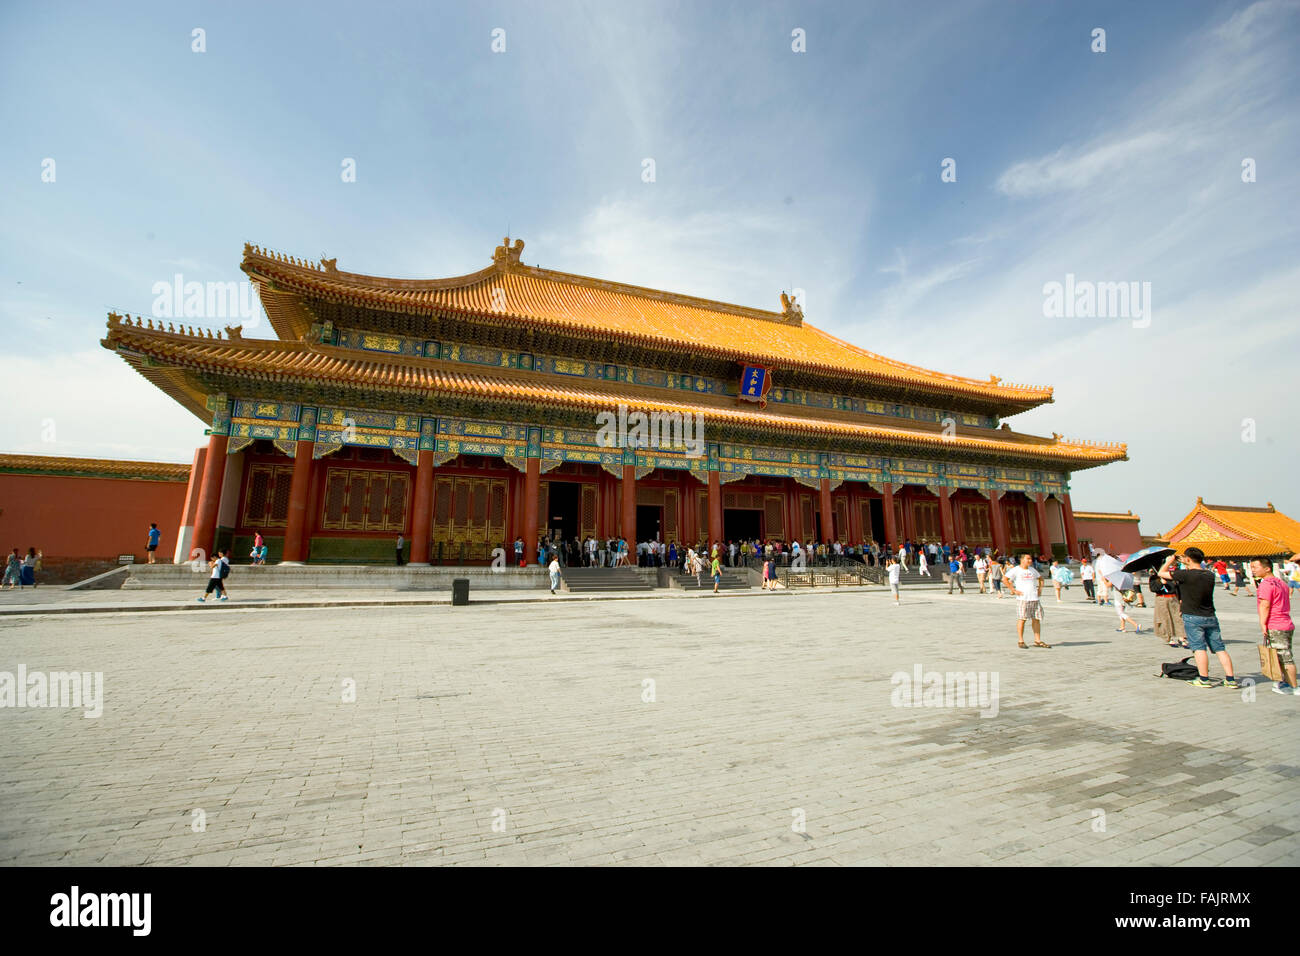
(266, 360)
(422, 297)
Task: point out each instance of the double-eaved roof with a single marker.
(186, 363)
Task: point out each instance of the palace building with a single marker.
(464, 412)
(1237, 531)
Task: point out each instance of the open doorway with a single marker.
(877, 520)
(742, 524)
(562, 509)
(649, 521)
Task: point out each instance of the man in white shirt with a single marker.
(981, 569)
(1088, 574)
(1026, 584)
(895, 578)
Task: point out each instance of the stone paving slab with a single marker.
(522, 733)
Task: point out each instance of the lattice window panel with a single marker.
(807, 514)
(336, 496)
(975, 527)
(260, 479)
(649, 496)
(497, 513)
(899, 532)
(670, 514)
(399, 487)
(702, 513)
(355, 517)
(442, 492)
(279, 516)
(588, 519)
(774, 517)
(925, 518)
(1017, 523)
(865, 508)
(543, 495)
(841, 519)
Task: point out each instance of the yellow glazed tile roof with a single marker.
(168, 357)
(93, 468)
(509, 291)
(1212, 524)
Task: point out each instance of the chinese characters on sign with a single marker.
(755, 383)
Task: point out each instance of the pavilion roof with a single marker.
(176, 362)
(509, 292)
(1245, 529)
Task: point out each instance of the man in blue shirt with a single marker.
(154, 537)
(954, 575)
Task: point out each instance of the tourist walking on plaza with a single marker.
(1026, 584)
(1196, 598)
(902, 556)
(922, 566)
(401, 544)
(13, 571)
(1274, 602)
(955, 574)
(1061, 578)
(895, 578)
(1169, 620)
(554, 570)
(1120, 601)
(31, 564)
(154, 537)
(995, 578)
(981, 570)
(1087, 573)
(715, 569)
(219, 565)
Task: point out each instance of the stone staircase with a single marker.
(733, 579)
(584, 580)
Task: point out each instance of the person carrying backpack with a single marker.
(220, 565)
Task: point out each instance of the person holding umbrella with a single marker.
(1111, 571)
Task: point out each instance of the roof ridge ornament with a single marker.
(506, 254)
(791, 309)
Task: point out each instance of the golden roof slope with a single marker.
(510, 292)
(173, 360)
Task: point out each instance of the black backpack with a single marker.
(224, 571)
(1180, 670)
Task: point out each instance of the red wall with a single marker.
(1117, 537)
(76, 517)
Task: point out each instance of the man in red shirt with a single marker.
(1274, 598)
(1221, 572)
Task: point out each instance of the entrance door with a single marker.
(878, 520)
(562, 509)
(742, 524)
(649, 523)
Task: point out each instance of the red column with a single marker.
(532, 487)
(1071, 537)
(828, 513)
(946, 530)
(891, 532)
(627, 521)
(214, 471)
(715, 508)
(295, 543)
(855, 516)
(997, 520)
(422, 513)
(1044, 533)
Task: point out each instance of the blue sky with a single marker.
(774, 170)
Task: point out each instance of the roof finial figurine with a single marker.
(330, 265)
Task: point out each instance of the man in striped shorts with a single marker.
(1027, 585)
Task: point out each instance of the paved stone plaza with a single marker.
(520, 733)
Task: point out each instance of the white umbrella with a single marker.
(1112, 569)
